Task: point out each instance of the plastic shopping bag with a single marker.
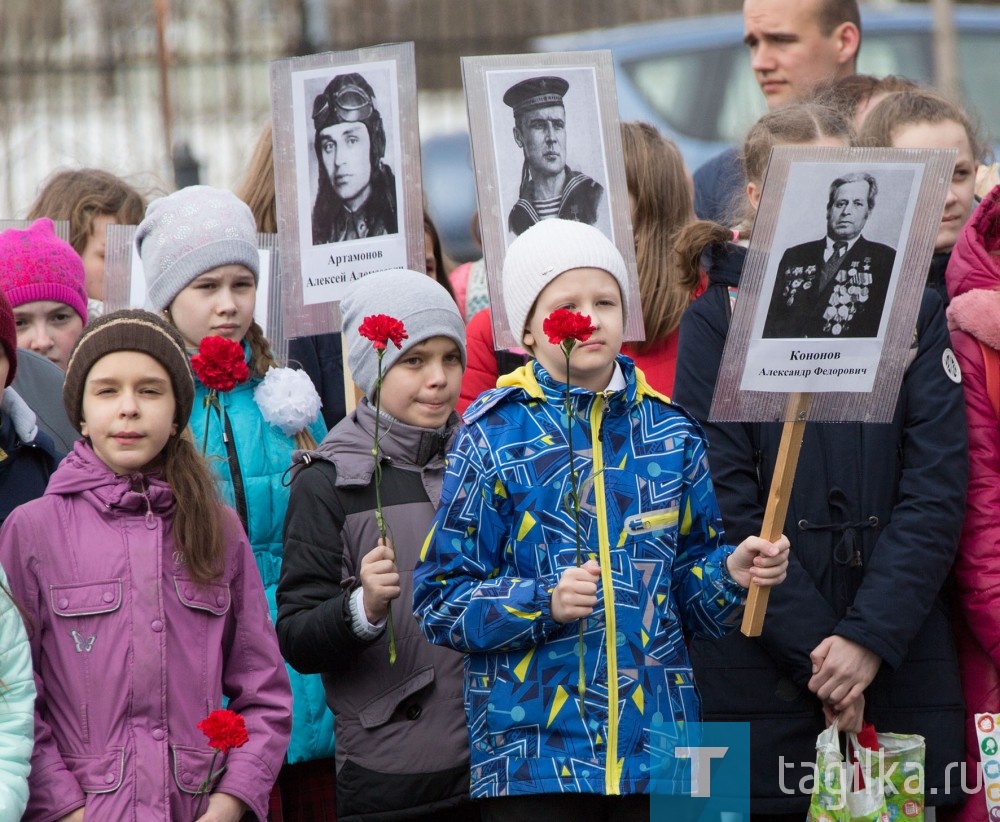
(897, 763)
(841, 793)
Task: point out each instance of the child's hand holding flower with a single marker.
(759, 561)
(575, 596)
(379, 581)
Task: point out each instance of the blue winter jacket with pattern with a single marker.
(250, 460)
(502, 538)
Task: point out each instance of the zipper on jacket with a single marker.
(612, 769)
(239, 494)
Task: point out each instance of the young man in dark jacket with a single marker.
(861, 626)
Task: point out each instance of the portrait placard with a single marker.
(346, 174)
(546, 143)
(125, 282)
(832, 283)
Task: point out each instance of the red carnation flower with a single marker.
(220, 363)
(563, 325)
(382, 329)
(225, 730)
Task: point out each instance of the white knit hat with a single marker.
(422, 304)
(545, 251)
(189, 232)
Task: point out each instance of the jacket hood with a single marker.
(977, 313)
(82, 472)
(348, 446)
(972, 265)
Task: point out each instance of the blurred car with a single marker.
(691, 77)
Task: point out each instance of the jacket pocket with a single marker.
(214, 597)
(97, 773)
(651, 522)
(380, 710)
(190, 767)
(86, 598)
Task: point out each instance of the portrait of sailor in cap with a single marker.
(356, 196)
(549, 187)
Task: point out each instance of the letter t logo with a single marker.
(701, 777)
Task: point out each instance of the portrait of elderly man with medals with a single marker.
(549, 187)
(837, 286)
(356, 196)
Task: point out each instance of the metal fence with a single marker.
(80, 83)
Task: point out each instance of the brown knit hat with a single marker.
(129, 330)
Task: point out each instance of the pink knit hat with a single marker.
(36, 265)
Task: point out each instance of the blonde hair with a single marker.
(656, 179)
(257, 187)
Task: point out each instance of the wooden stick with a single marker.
(797, 411)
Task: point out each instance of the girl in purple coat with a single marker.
(146, 603)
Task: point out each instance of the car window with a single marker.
(904, 53)
(742, 103)
(685, 89)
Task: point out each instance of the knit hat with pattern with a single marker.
(190, 232)
(36, 265)
(545, 251)
(129, 330)
(424, 307)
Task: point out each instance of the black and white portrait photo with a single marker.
(835, 285)
(550, 153)
(548, 186)
(356, 188)
(346, 175)
(832, 282)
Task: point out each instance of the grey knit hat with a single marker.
(190, 232)
(545, 251)
(424, 307)
(130, 329)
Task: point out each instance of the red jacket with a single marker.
(973, 279)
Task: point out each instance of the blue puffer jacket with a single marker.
(501, 540)
(251, 470)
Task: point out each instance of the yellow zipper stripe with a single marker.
(613, 768)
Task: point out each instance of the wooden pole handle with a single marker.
(778, 496)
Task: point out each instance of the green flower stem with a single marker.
(379, 519)
(567, 347)
(207, 783)
(211, 398)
